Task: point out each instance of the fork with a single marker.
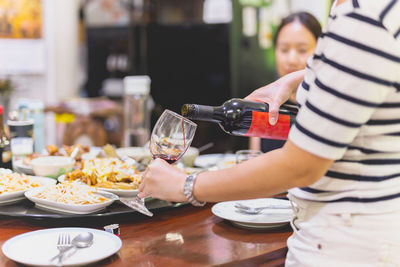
(63, 245)
(255, 210)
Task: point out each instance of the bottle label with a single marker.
(260, 126)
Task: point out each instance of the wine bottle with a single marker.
(244, 118)
(5, 151)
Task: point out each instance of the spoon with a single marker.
(255, 210)
(83, 240)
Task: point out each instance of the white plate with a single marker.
(210, 160)
(20, 167)
(12, 197)
(118, 192)
(69, 208)
(24, 248)
(268, 218)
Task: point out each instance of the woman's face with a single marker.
(294, 45)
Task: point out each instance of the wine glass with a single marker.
(171, 136)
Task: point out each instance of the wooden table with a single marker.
(185, 236)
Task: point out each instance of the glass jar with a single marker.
(136, 110)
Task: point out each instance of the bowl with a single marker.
(52, 166)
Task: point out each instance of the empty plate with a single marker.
(267, 218)
(24, 248)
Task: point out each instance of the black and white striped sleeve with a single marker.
(356, 64)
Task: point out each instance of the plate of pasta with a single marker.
(72, 198)
(14, 185)
(108, 174)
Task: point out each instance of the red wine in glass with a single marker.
(167, 158)
(168, 151)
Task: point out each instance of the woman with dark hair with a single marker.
(294, 41)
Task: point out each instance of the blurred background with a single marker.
(66, 60)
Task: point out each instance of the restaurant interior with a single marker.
(93, 77)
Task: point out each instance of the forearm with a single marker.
(264, 176)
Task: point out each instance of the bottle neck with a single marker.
(202, 113)
(289, 109)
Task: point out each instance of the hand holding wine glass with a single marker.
(171, 136)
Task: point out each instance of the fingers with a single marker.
(142, 195)
(142, 183)
(273, 113)
(260, 94)
(251, 97)
(147, 175)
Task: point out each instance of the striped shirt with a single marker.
(350, 108)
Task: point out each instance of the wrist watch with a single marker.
(188, 190)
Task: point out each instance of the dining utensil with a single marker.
(52, 166)
(7, 198)
(63, 245)
(69, 208)
(83, 240)
(35, 248)
(274, 218)
(255, 210)
(136, 204)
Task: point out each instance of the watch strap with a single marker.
(188, 189)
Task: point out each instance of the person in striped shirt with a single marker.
(342, 159)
